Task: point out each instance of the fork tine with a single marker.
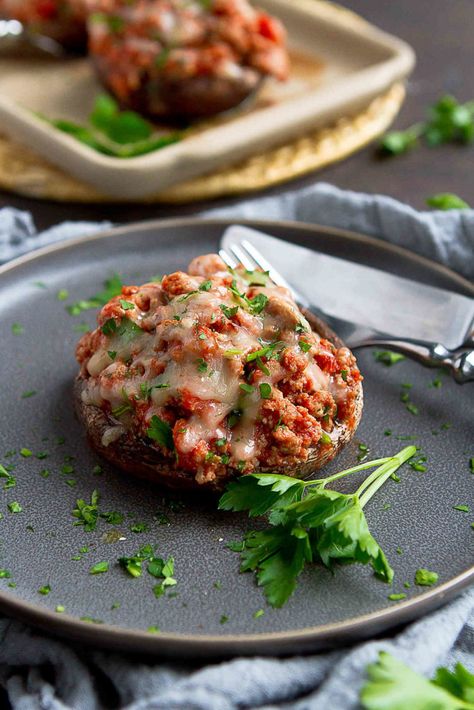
(246, 261)
(260, 260)
(227, 259)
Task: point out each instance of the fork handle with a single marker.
(460, 362)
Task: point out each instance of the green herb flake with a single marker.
(113, 518)
(425, 578)
(462, 508)
(205, 286)
(99, 568)
(153, 629)
(139, 528)
(26, 453)
(127, 305)
(387, 357)
(14, 507)
(161, 432)
(5, 574)
(28, 394)
(224, 619)
(228, 311)
(305, 347)
(60, 609)
(17, 329)
(62, 294)
(44, 590)
(265, 390)
(396, 597)
(86, 514)
(248, 389)
(258, 614)
(471, 464)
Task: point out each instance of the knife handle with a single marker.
(460, 362)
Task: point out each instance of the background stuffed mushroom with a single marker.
(181, 59)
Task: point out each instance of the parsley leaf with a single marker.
(392, 685)
(99, 568)
(161, 432)
(228, 311)
(87, 513)
(112, 287)
(447, 201)
(308, 523)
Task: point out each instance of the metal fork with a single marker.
(460, 362)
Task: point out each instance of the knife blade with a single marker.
(363, 295)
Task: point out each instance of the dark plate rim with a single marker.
(281, 642)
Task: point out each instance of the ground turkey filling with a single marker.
(182, 39)
(223, 365)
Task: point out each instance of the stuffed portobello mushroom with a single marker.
(62, 20)
(213, 374)
(184, 59)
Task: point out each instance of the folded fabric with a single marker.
(42, 673)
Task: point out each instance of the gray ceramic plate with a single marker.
(416, 516)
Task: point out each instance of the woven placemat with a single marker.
(24, 172)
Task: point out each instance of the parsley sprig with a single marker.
(448, 121)
(393, 685)
(308, 523)
(119, 134)
(112, 287)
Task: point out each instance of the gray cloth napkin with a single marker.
(326, 681)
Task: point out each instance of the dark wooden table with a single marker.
(441, 33)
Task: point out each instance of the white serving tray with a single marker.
(340, 63)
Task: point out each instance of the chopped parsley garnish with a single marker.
(305, 347)
(87, 513)
(122, 409)
(447, 201)
(99, 568)
(205, 286)
(153, 629)
(253, 305)
(5, 574)
(265, 390)
(14, 507)
(387, 357)
(202, 365)
(425, 578)
(28, 394)
(258, 614)
(301, 328)
(113, 518)
(224, 619)
(471, 464)
(26, 453)
(44, 590)
(462, 508)
(62, 294)
(344, 375)
(248, 389)
(228, 311)
(325, 438)
(112, 287)
(60, 609)
(127, 305)
(17, 329)
(161, 432)
(127, 329)
(112, 354)
(308, 523)
(271, 352)
(139, 528)
(232, 352)
(396, 597)
(394, 686)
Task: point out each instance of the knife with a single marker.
(363, 298)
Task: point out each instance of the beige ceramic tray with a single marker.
(339, 65)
